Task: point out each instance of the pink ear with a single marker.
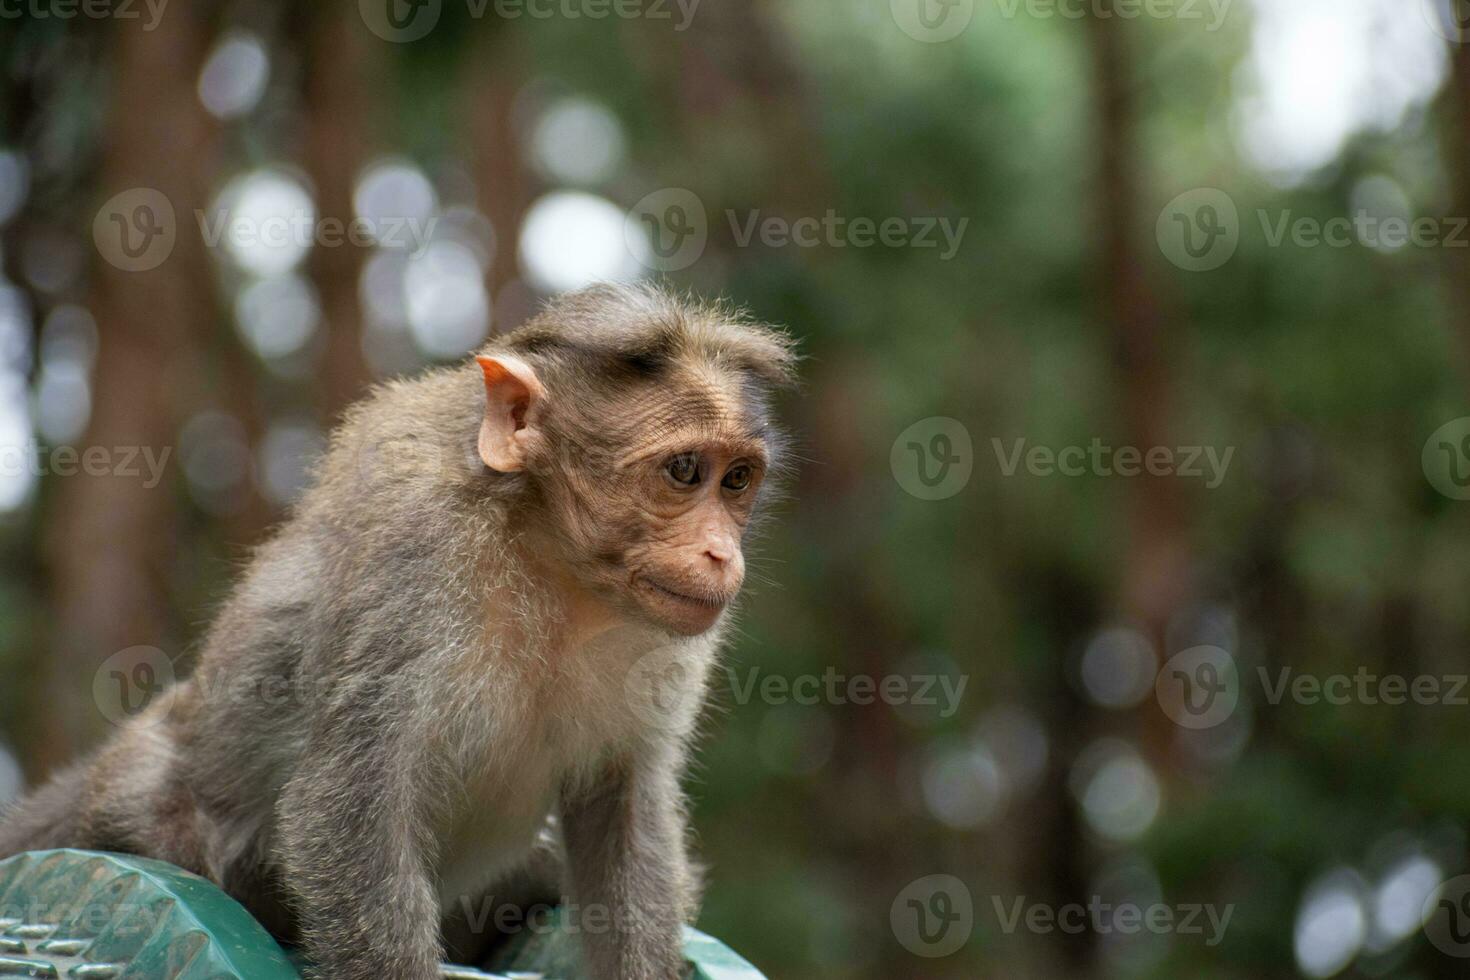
(512, 396)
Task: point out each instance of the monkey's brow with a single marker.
(748, 445)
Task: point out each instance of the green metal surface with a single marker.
(85, 915)
(556, 954)
(90, 916)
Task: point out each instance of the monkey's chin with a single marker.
(685, 614)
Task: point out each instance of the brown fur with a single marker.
(416, 693)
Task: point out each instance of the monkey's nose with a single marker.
(720, 549)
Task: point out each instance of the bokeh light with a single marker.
(266, 221)
(395, 202)
(277, 316)
(1119, 792)
(963, 785)
(448, 309)
(577, 141)
(1118, 668)
(1321, 71)
(287, 453)
(1400, 896)
(215, 455)
(571, 239)
(235, 75)
(1331, 924)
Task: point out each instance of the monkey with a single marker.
(474, 650)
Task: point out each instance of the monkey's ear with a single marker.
(512, 395)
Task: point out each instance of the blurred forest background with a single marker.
(1062, 317)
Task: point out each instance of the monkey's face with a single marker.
(648, 478)
(653, 514)
(687, 510)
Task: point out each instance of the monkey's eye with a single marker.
(683, 469)
(737, 478)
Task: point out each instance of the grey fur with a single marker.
(359, 722)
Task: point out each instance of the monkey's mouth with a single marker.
(699, 602)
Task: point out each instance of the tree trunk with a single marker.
(492, 78)
(1459, 167)
(1155, 575)
(112, 539)
(345, 67)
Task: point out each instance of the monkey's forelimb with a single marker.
(631, 883)
(357, 853)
